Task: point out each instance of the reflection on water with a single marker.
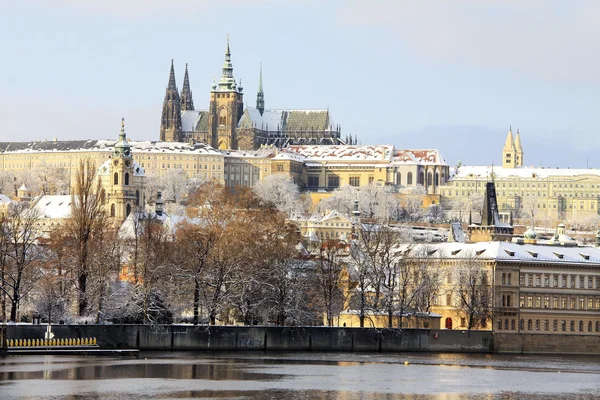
(294, 376)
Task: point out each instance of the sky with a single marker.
(452, 75)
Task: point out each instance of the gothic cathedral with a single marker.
(227, 125)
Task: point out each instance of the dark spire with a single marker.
(172, 84)
(187, 103)
(260, 96)
(170, 123)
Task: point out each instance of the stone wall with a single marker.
(180, 337)
(540, 343)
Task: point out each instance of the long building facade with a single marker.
(227, 124)
(543, 194)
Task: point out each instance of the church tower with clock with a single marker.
(123, 180)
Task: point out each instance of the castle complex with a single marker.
(227, 125)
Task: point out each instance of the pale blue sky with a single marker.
(451, 75)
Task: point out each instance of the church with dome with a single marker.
(228, 125)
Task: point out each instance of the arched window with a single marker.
(529, 325)
(580, 326)
(512, 324)
(128, 210)
(537, 324)
(437, 179)
(429, 179)
(137, 197)
(555, 325)
(448, 323)
(546, 325)
(113, 209)
(127, 178)
(522, 324)
(572, 326)
(116, 178)
(499, 324)
(421, 178)
(589, 326)
(597, 326)
(409, 179)
(508, 279)
(508, 301)
(563, 325)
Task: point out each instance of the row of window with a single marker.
(557, 303)
(537, 325)
(553, 280)
(526, 185)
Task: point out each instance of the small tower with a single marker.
(23, 193)
(187, 103)
(226, 107)
(260, 96)
(170, 123)
(519, 150)
(509, 152)
(158, 204)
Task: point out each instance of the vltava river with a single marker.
(292, 376)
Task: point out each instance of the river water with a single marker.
(293, 376)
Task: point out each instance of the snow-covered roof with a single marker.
(485, 172)
(260, 153)
(333, 215)
(106, 145)
(343, 153)
(509, 252)
(420, 157)
(56, 206)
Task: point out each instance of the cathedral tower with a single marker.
(226, 107)
(187, 103)
(519, 150)
(509, 152)
(260, 96)
(170, 124)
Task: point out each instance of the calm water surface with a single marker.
(293, 376)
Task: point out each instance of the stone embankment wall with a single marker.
(540, 343)
(179, 337)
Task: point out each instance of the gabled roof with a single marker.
(335, 215)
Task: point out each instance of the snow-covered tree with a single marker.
(375, 202)
(281, 192)
(435, 213)
(413, 203)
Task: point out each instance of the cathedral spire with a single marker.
(170, 122)
(227, 82)
(187, 103)
(172, 84)
(260, 96)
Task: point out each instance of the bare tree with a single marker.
(84, 223)
(413, 203)
(333, 254)
(473, 290)
(22, 254)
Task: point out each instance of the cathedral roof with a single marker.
(194, 121)
(286, 120)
